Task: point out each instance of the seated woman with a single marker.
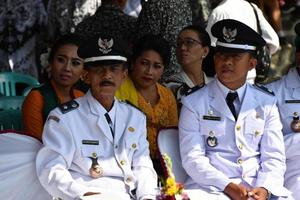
(66, 69)
(151, 55)
(193, 44)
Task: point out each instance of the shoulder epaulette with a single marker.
(194, 89)
(68, 106)
(263, 89)
(128, 102)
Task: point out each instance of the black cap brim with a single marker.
(230, 50)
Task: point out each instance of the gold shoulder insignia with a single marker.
(194, 89)
(68, 106)
(264, 89)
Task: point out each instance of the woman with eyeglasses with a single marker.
(151, 56)
(193, 44)
(66, 69)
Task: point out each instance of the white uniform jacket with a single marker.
(249, 150)
(287, 91)
(70, 139)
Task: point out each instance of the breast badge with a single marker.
(212, 140)
(96, 170)
(295, 124)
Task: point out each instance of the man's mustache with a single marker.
(107, 83)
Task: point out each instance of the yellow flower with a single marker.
(171, 187)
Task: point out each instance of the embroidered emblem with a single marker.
(105, 45)
(295, 124)
(212, 141)
(229, 34)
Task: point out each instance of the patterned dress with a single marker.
(20, 21)
(109, 19)
(167, 18)
(64, 15)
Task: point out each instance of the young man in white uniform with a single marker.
(96, 145)
(230, 135)
(287, 91)
(241, 10)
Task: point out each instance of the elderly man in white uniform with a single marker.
(96, 145)
(230, 136)
(287, 91)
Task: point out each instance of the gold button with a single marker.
(133, 145)
(241, 146)
(240, 161)
(257, 133)
(211, 133)
(131, 129)
(94, 155)
(238, 127)
(123, 162)
(244, 176)
(128, 179)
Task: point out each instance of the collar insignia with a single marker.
(105, 45)
(229, 34)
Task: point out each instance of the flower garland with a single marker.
(170, 188)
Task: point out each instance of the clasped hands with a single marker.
(240, 192)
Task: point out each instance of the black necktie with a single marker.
(231, 96)
(109, 123)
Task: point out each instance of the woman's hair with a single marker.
(70, 38)
(155, 43)
(201, 32)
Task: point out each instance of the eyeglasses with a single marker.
(188, 42)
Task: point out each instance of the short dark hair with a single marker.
(70, 38)
(201, 32)
(155, 43)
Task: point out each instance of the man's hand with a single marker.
(236, 192)
(259, 193)
(91, 193)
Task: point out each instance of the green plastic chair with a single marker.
(11, 102)
(13, 84)
(11, 120)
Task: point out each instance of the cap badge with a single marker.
(105, 45)
(229, 34)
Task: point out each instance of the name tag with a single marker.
(209, 117)
(292, 101)
(90, 142)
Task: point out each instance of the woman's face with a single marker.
(189, 50)
(147, 69)
(66, 66)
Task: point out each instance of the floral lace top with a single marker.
(163, 114)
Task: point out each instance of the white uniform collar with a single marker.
(98, 109)
(225, 90)
(293, 78)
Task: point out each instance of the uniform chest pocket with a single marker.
(254, 130)
(212, 128)
(93, 151)
(287, 111)
(131, 145)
